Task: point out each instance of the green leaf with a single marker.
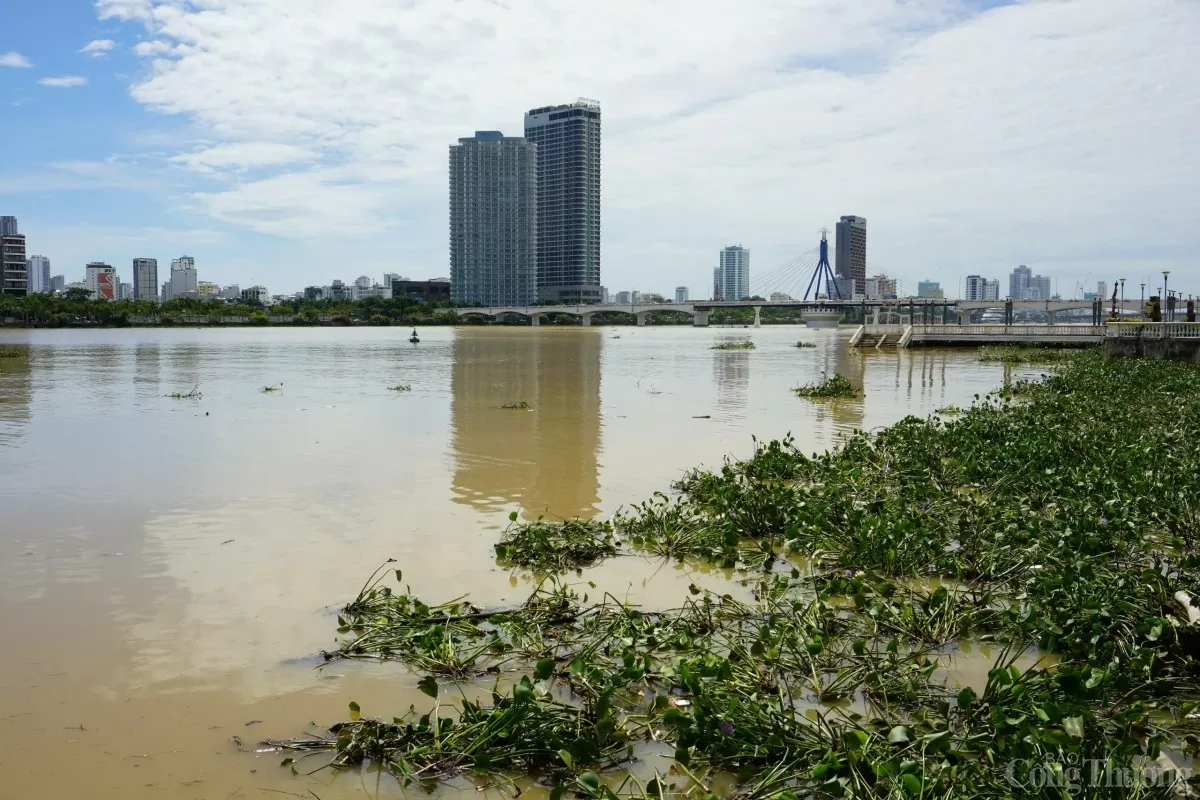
(898, 735)
(428, 685)
(1073, 726)
(966, 697)
(566, 757)
(399, 576)
(512, 516)
(912, 784)
(590, 781)
(558, 791)
(544, 668)
(855, 739)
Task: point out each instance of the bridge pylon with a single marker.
(823, 272)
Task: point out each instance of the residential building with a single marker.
(850, 252)
(1025, 286)
(624, 298)
(362, 282)
(313, 292)
(567, 138)
(388, 277)
(780, 297)
(845, 288)
(991, 289)
(681, 294)
(231, 292)
(37, 274)
(100, 280)
(930, 290)
(165, 295)
(974, 288)
(145, 279)
(256, 294)
(208, 289)
(8, 226)
(1102, 290)
(13, 269)
(338, 291)
(125, 291)
(58, 284)
(493, 220)
(605, 297)
(183, 277)
(880, 287)
(731, 278)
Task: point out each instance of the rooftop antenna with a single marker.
(824, 272)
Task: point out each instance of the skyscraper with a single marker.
(731, 279)
(37, 274)
(991, 289)
(850, 253)
(681, 294)
(183, 277)
(493, 220)
(58, 283)
(1018, 282)
(101, 280)
(1102, 290)
(145, 279)
(568, 198)
(13, 272)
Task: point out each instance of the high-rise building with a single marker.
(257, 294)
(568, 200)
(731, 279)
(1039, 288)
(624, 298)
(8, 226)
(1018, 282)
(58, 283)
(681, 294)
(14, 278)
(604, 296)
(930, 290)
(1102, 290)
(165, 295)
(101, 280)
(231, 292)
(37, 274)
(974, 287)
(183, 277)
(850, 253)
(145, 279)
(493, 220)
(880, 287)
(991, 289)
(125, 291)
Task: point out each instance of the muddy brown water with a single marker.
(169, 568)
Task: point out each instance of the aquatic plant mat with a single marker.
(1061, 528)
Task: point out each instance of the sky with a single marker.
(291, 142)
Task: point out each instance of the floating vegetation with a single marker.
(1065, 525)
(276, 388)
(520, 405)
(804, 344)
(552, 546)
(837, 386)
(951, 410)
(744, 344)
(11, 353)
(1030, 354)
(400, 387)
(194, 394)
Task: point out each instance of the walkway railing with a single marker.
(1054, 331)
(1153, 330)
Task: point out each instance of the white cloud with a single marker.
(15, 60)
(98, 48)
(64, 81)
(1038, 132)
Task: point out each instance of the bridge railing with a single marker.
(1153, 330)
(1009, 330)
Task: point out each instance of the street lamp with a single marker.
(1142, 313)
(1166, 272)
(1122, 316)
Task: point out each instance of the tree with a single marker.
(77, 294)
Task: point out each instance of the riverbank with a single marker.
(1053, 525)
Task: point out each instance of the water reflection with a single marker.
(731, 373)
(544, 458)
(16, 391)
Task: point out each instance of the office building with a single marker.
(1102, 290)
(605, 297)
(165, 295)
(624, 298)
(231, 292)
(493, 220)
(567, 138)
(991, 289)
(880, 287)
(183, 277)
(145, 279)
(37, 275)
(975, 288)
(14, 278)
(257, 295)
(58, 284)
(850, 253)
(100, 279)
(681, 294)
(930, 290)
(125, 291)
(8, 226)
(731, 279)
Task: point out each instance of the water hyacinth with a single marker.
(869, 567)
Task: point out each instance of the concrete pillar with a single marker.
(758, 316)
(641, 319)
(700, 319)
(964, 317)
(535, 320)
(1052, 315)
(587, 319)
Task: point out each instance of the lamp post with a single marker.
(1121, 318)
(1142, 314)
(1166, 272)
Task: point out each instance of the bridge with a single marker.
(817, 313)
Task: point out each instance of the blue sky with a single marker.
(291, 143)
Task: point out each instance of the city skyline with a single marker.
(903, 114)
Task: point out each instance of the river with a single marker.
(169, 568)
